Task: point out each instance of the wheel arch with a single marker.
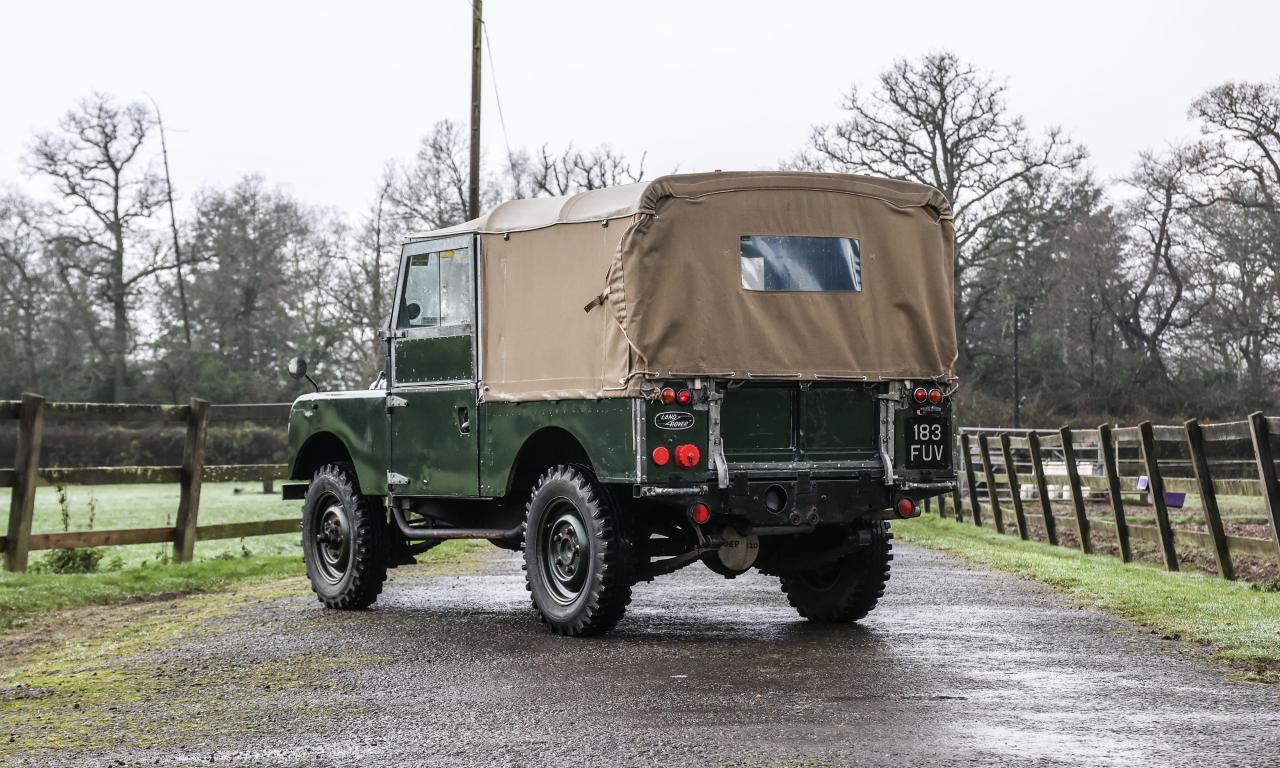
(541, 450)
(319, 449)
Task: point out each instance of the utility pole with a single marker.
(173, 226)
(477, 29)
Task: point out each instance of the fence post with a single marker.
(184, 542)
(1112, 469)
(1156, 483)
(1042, 489)
(1266, 471)
(993, 493)
(1077, 493)
(1015, 488)
(26, 462)
(1208, 498)
(967, 449)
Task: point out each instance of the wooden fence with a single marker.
(1205, 460)
(31, 413)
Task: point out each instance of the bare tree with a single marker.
(942, 122)
(1149, 298)
(431, 192)
(24, 286)
(553, 173)
(361, 291)
(1233, 253)
(1241, 122)
(96, 164)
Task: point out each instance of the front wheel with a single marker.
(342, 537)
(575, 554)
(846, 590)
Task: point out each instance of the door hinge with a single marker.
(395, 401)
(395, 478)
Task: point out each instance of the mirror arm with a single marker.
(312, 381)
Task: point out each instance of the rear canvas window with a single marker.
(798, 263)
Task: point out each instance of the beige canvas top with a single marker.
(589, 295)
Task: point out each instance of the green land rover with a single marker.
(735, 369)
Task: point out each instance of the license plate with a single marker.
(928, 443)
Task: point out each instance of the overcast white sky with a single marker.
(315, 96)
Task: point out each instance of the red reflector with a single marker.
(920, 394)
(661, 455)
(906, 507)
(700, 513)
(683, 397)
(688, 456)
(668, 396)
(935, 396)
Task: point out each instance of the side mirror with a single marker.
(298, 370)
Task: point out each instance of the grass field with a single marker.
(1241, 625)
(145, 569)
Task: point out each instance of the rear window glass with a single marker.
(773, 263)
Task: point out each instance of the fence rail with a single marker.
(31, 413)
(1030, 466)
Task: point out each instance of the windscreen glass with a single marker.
(775, 263)
(437, 290)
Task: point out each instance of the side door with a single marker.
(432, 395)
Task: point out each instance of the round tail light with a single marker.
(935, 396)
(906, 507)
(684, 397)
(688, 456)
(920, 394)
(699, 513)
(668, 396)
(661, 455)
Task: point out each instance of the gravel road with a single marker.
(957, 667)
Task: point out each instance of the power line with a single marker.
(493, 76)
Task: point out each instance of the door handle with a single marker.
(464, 420)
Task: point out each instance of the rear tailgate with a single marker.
(813, 423)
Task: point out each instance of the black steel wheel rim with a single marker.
(332, 528)
(565, 551)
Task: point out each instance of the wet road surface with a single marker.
(957, 667)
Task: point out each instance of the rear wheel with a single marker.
(342, 540)
(575, 554)
(846, 590)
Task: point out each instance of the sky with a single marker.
(317, 96)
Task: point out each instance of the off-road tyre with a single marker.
(575, 553)
(348, 573)
(847, 590)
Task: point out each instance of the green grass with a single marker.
(155, 505)
(24, 596)
(144, 569)
(1241, 625)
